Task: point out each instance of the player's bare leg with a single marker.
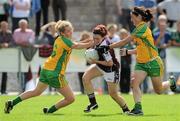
(26, 95)
(139, 77)
(89, 74)
(113, 92)
(68, 99)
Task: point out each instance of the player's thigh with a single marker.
(157, 83)
(139, 76)
(40, 87)
(91, 73)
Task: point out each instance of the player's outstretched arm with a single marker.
(121, 43)
(82, 45)
(130, 52)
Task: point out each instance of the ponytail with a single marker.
(145, 13)
(148, 16)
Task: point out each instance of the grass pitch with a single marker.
(156, 108)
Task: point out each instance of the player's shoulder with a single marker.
(106, 41)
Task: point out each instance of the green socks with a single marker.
(52, 109)
(16, 101)
(138, 106)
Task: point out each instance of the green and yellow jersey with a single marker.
(147, 54)
(144, 40)
(60, 55)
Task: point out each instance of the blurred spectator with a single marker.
(170, 8)
(125, 65)
(84, 35)
(6, 40)
(150, 4)
(176, 42)
(162, 39)
(4, 10)
(48, 33)
(112, 29)
(59, 5)
(124, 8)
(21, 10)
(25, 37)
(40, 7)
(176, 36)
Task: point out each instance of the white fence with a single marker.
(12, 60)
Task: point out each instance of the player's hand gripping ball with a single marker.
(91, 54)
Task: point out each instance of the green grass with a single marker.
(156, 108)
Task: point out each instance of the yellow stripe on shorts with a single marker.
(161, 65)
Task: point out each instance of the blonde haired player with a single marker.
(53, 72)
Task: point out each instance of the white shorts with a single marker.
(110, 76)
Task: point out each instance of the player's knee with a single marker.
(85, 79)
(70, 99)
(113, 94)
(134, 84)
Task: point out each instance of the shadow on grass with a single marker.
(151, 115)
(54, 114)
(102, 115)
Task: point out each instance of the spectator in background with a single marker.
(59, 5)
(40, 7)
(84, 36)
(125, 65)
(25, 38)
(21, 10)
(123, 10)
(4, 9)
(162, 39)
(22, 35)
(48, 33)
(112, 29)
(176, 36)
(176, 42)
(6, 40)
(170, 8)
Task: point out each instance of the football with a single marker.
(91, 54)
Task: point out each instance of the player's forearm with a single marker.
(105, 63)
(121, 43)
(86, 40)
(130, 52)
(81, 45)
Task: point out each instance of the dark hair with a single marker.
(101, 30)
(145, 13)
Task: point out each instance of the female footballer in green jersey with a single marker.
(148, 62)
(53, 72)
